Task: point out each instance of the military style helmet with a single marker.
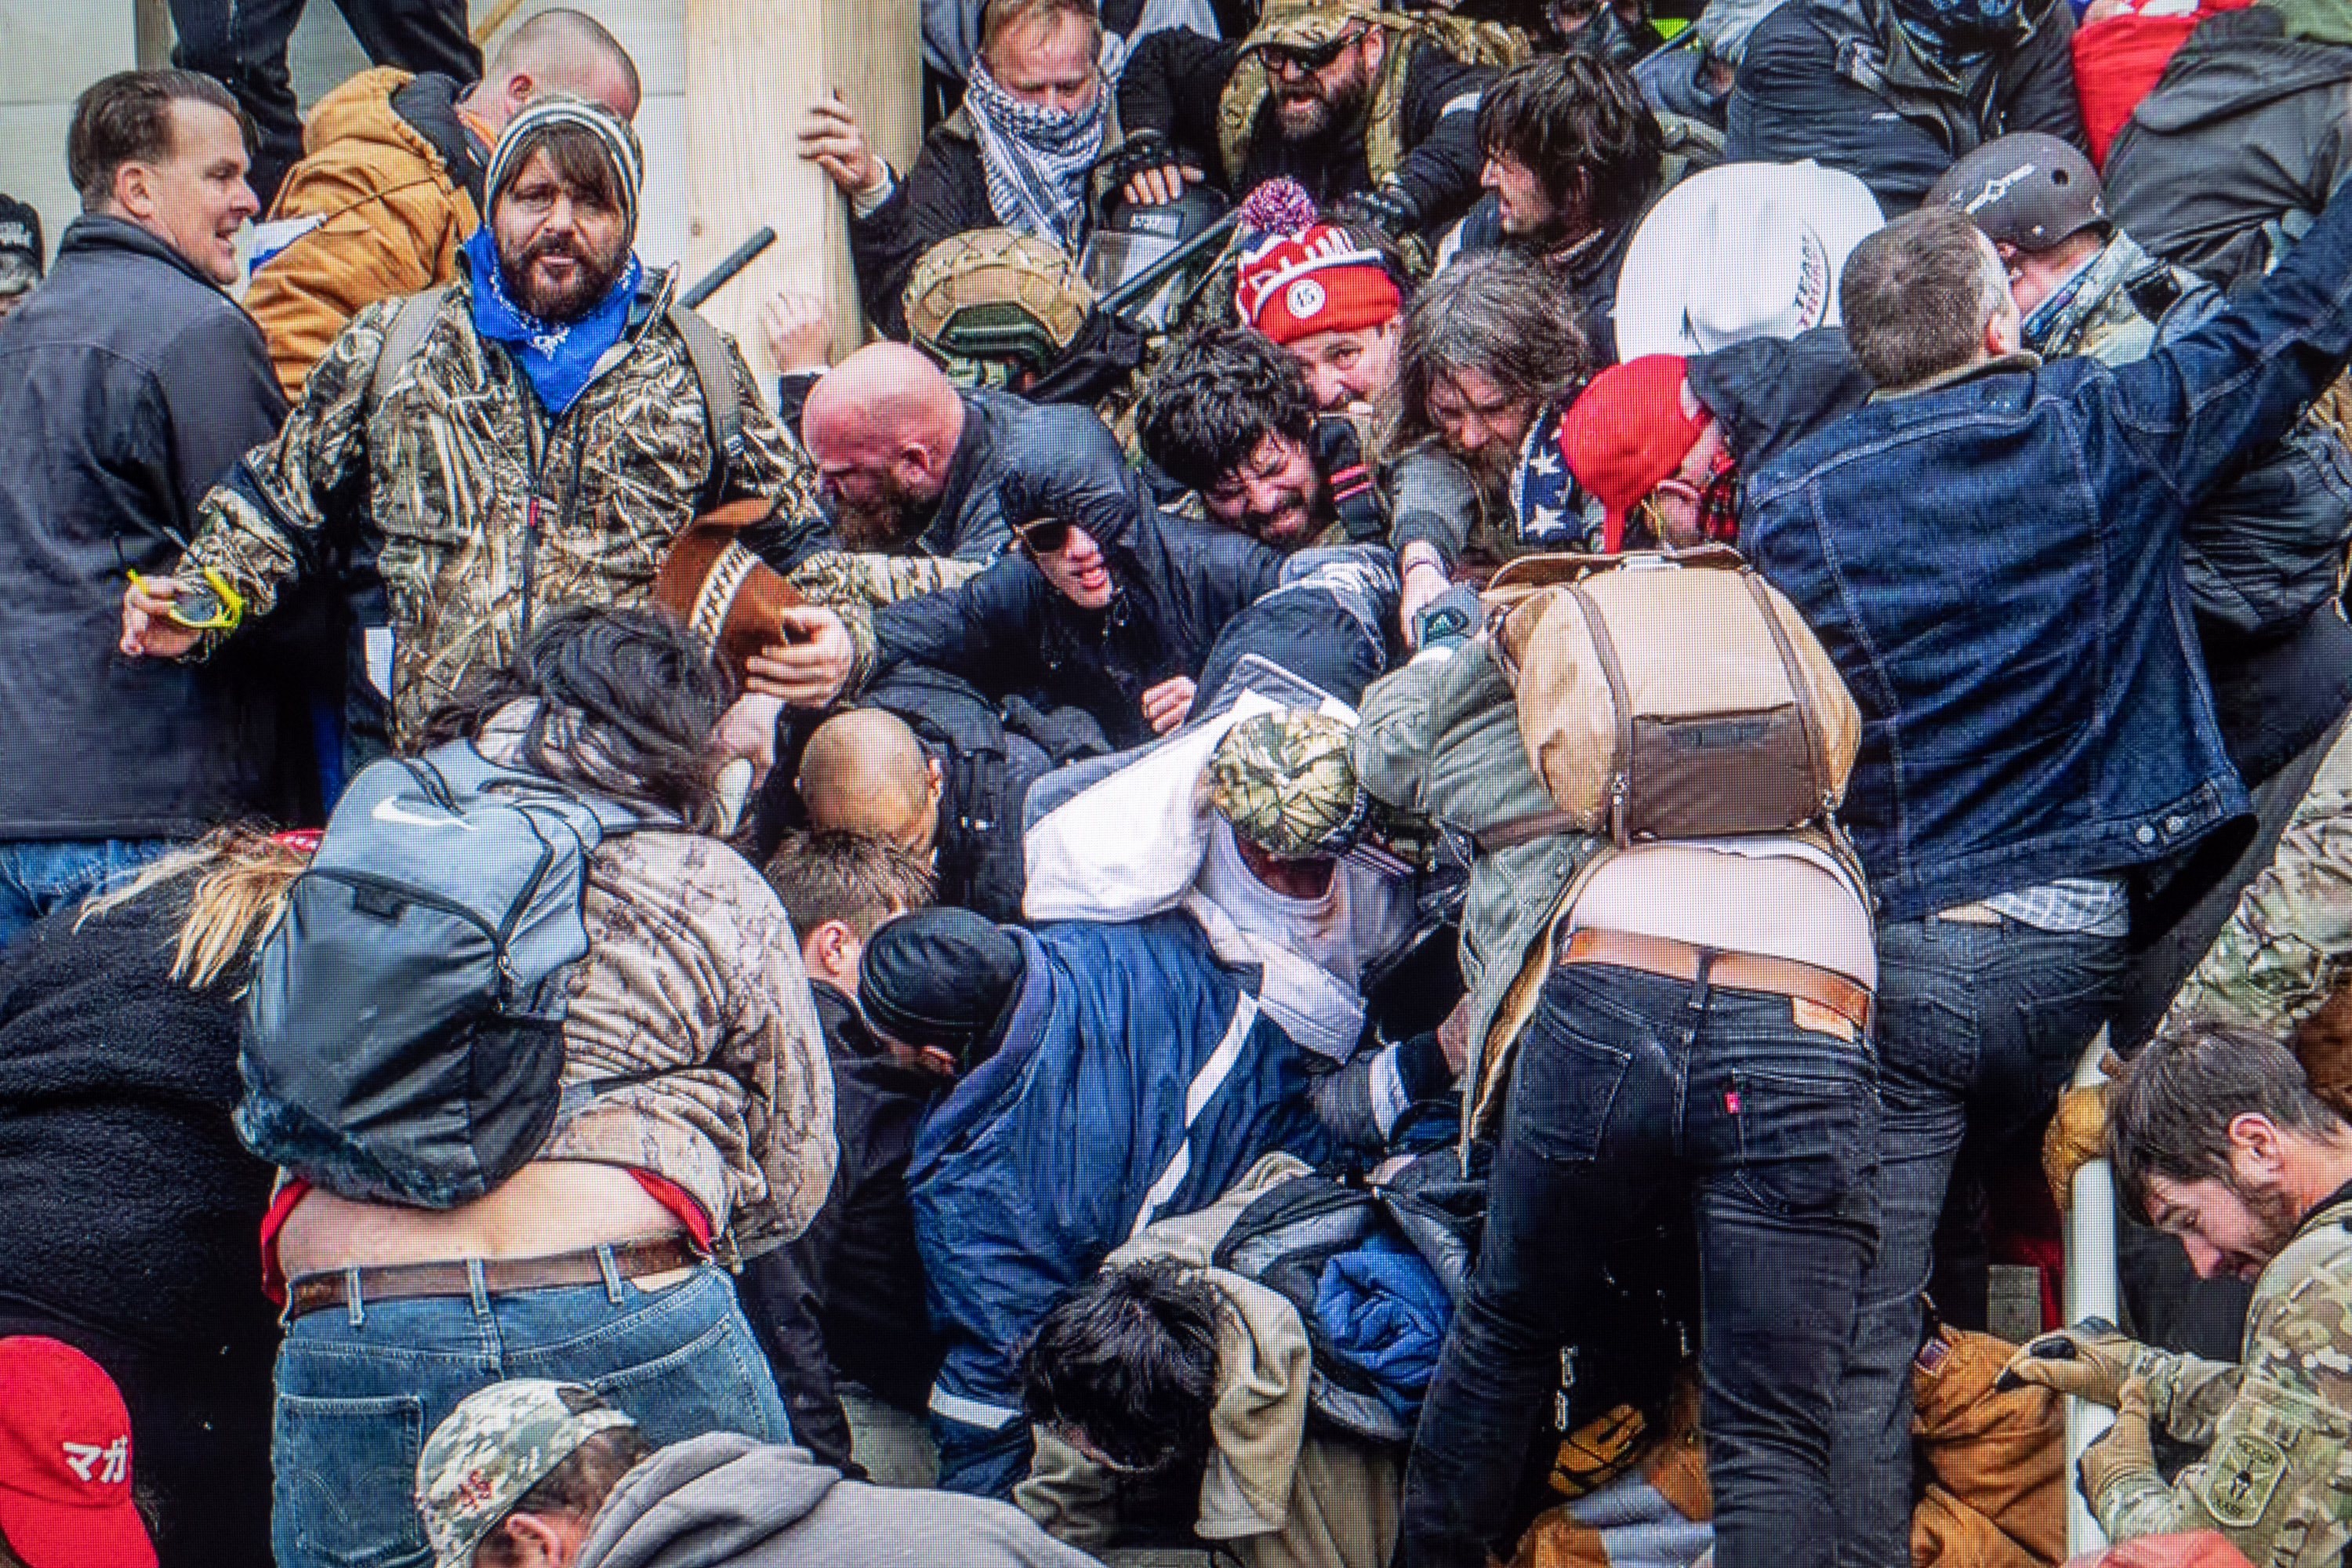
(2029, 190)
(991, 299)
(1288, 782)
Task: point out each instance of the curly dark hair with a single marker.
(1128, 1361)
(1218, 394)
(626, 701)
(1579, 122)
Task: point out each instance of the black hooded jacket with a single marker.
(1009, 630)
(2236, 148)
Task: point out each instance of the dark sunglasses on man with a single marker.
(1304, 60)
(1044, 536)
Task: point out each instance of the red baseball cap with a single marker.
(65, 1461)
(1627, 432)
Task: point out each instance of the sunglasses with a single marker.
(1043, 537)
(1303, 60)
(214, 607)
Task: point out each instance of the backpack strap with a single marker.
(722, 408)
(411, 323)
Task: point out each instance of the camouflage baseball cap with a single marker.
(1306, 23)
(1288, 784)
(496, 1445)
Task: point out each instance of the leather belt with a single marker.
(397, 1281)
(1738, 970)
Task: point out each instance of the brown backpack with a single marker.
(1670, 695)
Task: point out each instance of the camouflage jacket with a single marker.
(2275, 1475)
(2284, 951)
(437, 480)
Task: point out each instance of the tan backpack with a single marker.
(1670, 695)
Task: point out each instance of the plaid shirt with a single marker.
(2098, 905)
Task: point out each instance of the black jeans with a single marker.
(1978, 1026)
(1629, 1088)
(243, 42)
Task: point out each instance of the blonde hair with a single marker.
(237, 878)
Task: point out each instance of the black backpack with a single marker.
(1284, 1239)
(404, 1031)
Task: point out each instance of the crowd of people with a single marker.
(1401, 836)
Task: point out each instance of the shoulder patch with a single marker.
(2240, 1477)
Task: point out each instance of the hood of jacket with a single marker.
(1769, 392)
(413, 116)
(714, 1498)
(2235, 63)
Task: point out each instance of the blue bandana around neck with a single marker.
(560, 361)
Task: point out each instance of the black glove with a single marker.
(1139, 153)
(1391, 209)
(1340, 457)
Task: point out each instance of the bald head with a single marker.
(557, 51)
(883, 427)
(864, 771)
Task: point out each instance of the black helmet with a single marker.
(2029, 191)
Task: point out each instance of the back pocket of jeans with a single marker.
(345, 1491)
(1807, 1145)
(1563, 1092)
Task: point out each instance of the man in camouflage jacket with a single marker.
(2219, 1140)
(495, 469)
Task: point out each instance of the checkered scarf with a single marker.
(1036, 159)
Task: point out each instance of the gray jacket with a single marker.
(1441, 737)
(723, 1499)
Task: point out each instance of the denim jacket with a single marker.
(1993, 561)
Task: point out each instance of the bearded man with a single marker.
(1368, 109)
(1490, 356)
(2218, 1140)
(911, 466)
(533, 436)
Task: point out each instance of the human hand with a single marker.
(148, 630)
(832, 139)
(1149, 172)
(1159, 186)
(747, 730)
(1168, 704)
(2124, 1450)
(2092, 1360)
(2076, 1135)
(799, 336)
(810, 666)
(1424, 582)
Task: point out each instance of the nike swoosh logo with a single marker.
(388, 810)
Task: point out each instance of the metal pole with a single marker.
(2091, 1291)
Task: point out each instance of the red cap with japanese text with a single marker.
(65, 1461)
(1293, 285)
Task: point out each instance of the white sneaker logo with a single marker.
(389, 810)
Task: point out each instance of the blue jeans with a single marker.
(1630, 1086)
(41, 876)
(1978, 1028)
(360, 1388)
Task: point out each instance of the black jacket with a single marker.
(1838, 82)
(845, 1299)
(132, 1208)
(2239, 144)
(1004, 435)
(1010, 631)
(128, 382)
(945, 194)
(1175, 79)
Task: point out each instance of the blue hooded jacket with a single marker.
(1137, 1080)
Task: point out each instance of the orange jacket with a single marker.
(391, 217)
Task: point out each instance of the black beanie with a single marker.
(938, 978)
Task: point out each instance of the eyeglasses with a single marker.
(1296, 60)
(1045, 536)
